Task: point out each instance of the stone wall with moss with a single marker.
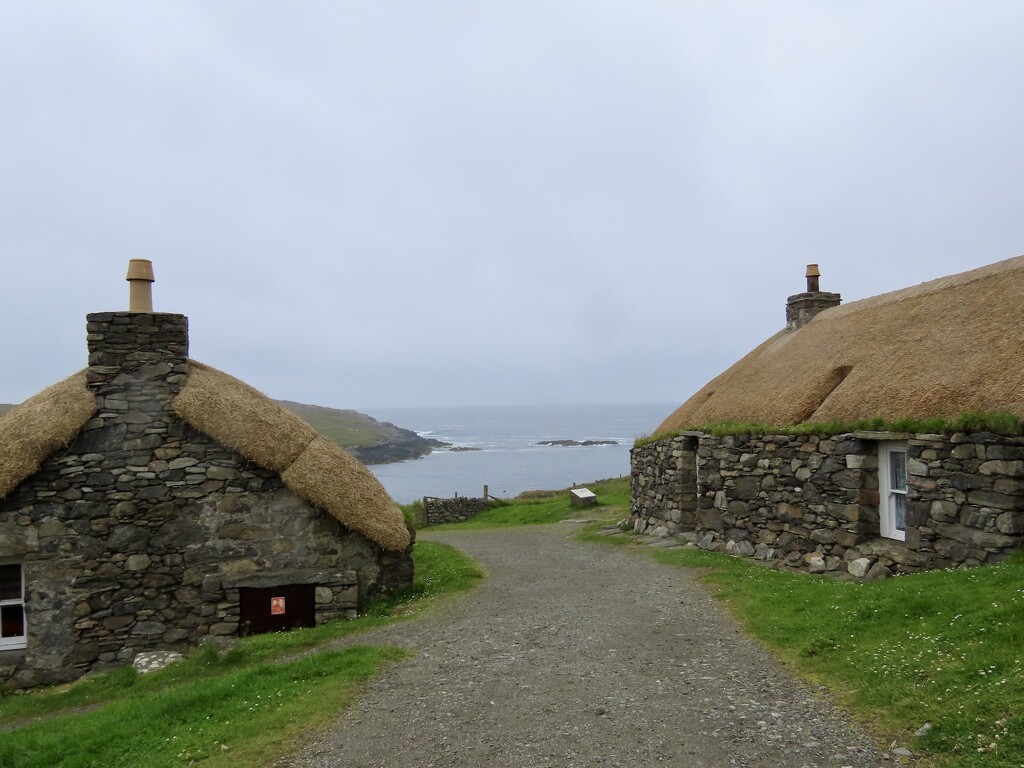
(813, 501)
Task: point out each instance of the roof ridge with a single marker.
(942, 348)
(928, 286)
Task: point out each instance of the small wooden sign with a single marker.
(276, 606)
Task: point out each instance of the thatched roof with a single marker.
(35, 430)
(940, 349)
(324, 474)
(236, 416)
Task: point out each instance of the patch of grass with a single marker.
(440, 570)
(224, 720)
(944, 647)
(235, 708)
(534, 508)
(590, 533)
(997, 422)
(413, 514)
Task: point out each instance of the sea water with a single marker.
(505, 454)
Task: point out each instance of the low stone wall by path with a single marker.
(437, 511)
(814, 501)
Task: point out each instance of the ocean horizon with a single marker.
(499, 447)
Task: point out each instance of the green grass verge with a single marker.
(999, 423)
(235, 718)
(545, 507)
(241, 708)
(944, 647)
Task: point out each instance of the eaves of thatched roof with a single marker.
(236, 416)
(940, 349)
(314, 468)
(35, 430)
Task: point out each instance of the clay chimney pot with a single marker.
(140, 285)
(813, 273)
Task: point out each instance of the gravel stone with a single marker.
(574, 654)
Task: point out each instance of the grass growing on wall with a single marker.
(242, 707)
(1000, 423)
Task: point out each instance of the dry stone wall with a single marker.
(664, 482)
(437, 511)
(814, 501)
(793, 495)
(967, 504)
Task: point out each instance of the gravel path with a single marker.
(575, 654)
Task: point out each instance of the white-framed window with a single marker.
(13, 627)
(892, 490)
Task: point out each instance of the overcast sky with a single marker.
(370, 204)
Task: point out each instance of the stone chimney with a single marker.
(801, 307)
(137, 358)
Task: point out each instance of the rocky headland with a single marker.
(369, 440)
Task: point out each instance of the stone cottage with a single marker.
(149, 501)
(846, 498)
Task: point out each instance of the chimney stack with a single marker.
(138, 357)
(801, 307)
(140, 285)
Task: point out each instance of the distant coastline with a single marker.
(576, 443)
(513, 451)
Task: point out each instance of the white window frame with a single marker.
(890, 498)
(15, 641)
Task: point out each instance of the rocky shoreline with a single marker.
(572, 443)
(403, 447)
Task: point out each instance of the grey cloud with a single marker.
(353, 201)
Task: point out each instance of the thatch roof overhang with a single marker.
(236, 416)
(314, 468)
(42, 425)
(937, 350)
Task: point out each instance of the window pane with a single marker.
(898, 471)
(12, 621)
(10, 581)
(899, 506)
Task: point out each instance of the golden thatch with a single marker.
(239, 417)
(236, 416)
(35, 430)
(327, 476)
(940, 349)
